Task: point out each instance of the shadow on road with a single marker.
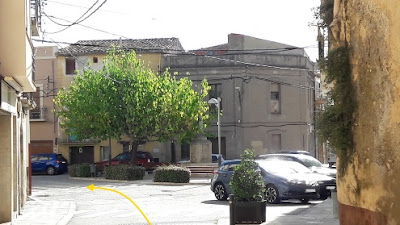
(294, 203)
(215, 202)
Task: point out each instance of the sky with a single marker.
(197, 24)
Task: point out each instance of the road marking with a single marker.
(92, 187)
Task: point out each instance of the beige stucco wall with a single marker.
(45, 61)
(6, 179)
(371, 29)
(15, 46)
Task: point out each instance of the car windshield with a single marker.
(122, 157)
(310, 161)
(282, 167)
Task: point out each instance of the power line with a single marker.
(235, 61)
(76, 21)
(80, 19)
(84, 7)
(92, 28)
(249, 77)
(226, 51)
(253, 64)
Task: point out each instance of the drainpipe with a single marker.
(18, 144)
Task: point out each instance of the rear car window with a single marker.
(42, 158)
(60, 157)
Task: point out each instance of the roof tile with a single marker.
(155, 45)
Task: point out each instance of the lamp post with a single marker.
(217, 103)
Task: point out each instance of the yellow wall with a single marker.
(372, 179)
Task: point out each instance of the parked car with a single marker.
(283, 181)
(49, 163)
(215, 158)
(125, 158)
(332, 160)
(295, 152)
(308, 161)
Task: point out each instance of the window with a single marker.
(275, 102)
(274, 95)
(70, 66)
(276, 144)
(43, 158)
(37, 113)
(104, 153)
(95, 60)
(215, 92)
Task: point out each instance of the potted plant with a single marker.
(247, 204)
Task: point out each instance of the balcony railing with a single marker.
(36, 16)
(38, 114)
(72, 140)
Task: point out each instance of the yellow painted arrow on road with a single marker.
(92, 187)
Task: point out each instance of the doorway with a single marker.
(79, 155)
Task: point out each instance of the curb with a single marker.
(178, 184)
(100, 179)
(148, 182)
(68, 217)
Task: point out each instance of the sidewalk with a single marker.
(319, 214)
(46, 213)
(37, 212)
(148, 180)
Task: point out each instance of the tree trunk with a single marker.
(173, 152)
(134, 147)
(109, 154)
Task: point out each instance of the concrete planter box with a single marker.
(247, 212)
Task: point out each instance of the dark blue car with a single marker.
(48, 163)
(283, 181)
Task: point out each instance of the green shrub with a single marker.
(79, 170)
(124, 172)
(247, 183)
(171, 173)
(335, 124)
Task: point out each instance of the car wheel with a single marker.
(323, 197)
(304, 200)
(272, 194)
(220, 192)
(50, 170)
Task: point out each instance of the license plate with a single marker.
(330, 188)
(310, 190)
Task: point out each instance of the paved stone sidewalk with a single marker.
(46, 213)
(319, 214)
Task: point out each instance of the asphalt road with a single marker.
(162, 204)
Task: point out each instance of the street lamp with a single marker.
(217, 103)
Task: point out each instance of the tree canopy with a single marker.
(127, 98)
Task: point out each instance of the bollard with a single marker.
(232, 214)
(334, 203)
(93, 170)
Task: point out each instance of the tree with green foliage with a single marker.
(247, 182)
(133, 101)
(88, 109)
